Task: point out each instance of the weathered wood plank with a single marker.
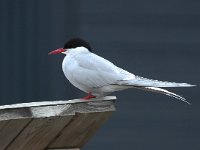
(39, 133)
(62, 124)
(51, 103)
(13, 114)
(9, 129)
(86, 124)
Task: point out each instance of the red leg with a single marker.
(89, 96)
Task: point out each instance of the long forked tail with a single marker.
(155, 86)
(163, 91)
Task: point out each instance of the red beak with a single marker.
(57, 51)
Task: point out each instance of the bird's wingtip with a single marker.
(188, 85)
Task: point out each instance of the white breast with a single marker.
(70, 67)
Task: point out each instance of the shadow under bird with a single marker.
(99, 77)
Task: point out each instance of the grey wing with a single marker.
(140, 81)
(96, 71)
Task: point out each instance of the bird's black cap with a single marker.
(77, 42)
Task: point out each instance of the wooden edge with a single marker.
(60, 102)
(56, 108)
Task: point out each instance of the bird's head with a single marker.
(72, 44)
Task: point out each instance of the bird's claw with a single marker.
(89, 96)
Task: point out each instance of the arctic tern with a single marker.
(99, 77)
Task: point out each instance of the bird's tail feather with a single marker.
(144, 82)
(163, 91)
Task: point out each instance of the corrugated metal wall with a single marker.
(155, 39)
(29, 30)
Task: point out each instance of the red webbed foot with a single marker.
(89, 96)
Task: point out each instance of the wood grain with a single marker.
(61, 125)
(9, 129)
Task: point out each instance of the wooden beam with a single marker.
(55, 125)
(9, 129)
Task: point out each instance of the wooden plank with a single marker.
(39, 133)
(9, 129)
(94, 106)
(53, 103)
(54, 125)
(13, 114)
(36, 112)
(80, 130)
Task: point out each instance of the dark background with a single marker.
(155, 39)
